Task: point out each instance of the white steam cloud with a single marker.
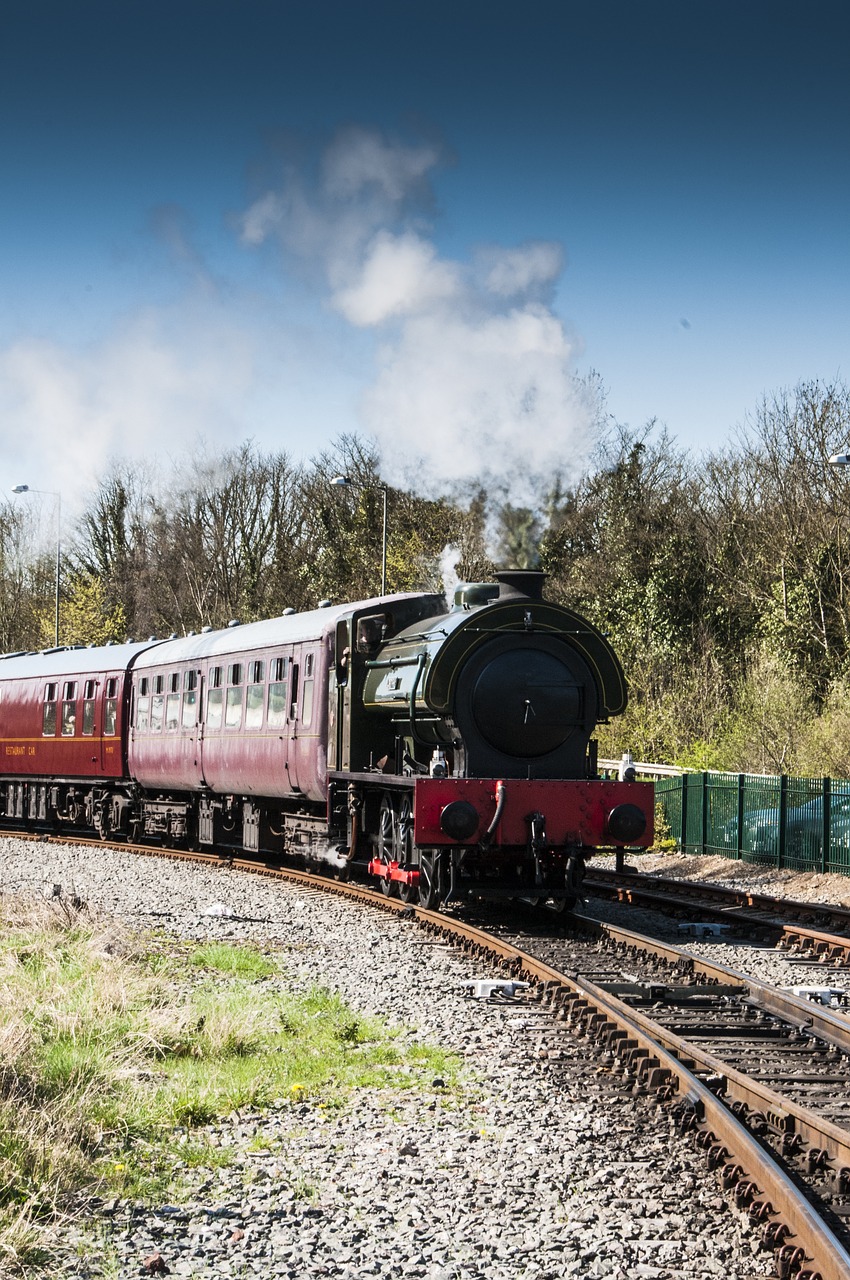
(473, 366)
(458, 366)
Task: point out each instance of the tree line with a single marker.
(723, 580)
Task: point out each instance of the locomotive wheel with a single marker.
(387, 842)
(430, 879)
(561, 905)
(404, 847)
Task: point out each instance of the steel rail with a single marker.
(821, 1023)
(803, 1244)
(780, 917)
(661, 1062)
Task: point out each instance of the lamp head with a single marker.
(340, 482)
(21, 488)
(840, 460)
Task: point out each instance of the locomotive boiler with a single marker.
(446, 751)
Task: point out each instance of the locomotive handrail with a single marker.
(414, 689)
(377, 664)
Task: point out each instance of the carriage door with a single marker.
(110, 741)
(339, 726)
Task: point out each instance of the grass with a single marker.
(115, 1052)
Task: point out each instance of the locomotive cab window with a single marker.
(110, 708)
(69, 709)
(371, 630)
(88, 707)
(276, 714)
(254, 699)
(48, 718)
(342, 652)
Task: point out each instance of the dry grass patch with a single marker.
(111, 1044)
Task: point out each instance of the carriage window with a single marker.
(157, 705)
(234, 673)
(110, 707)
(143, 711)
(254, 706)
(172, 711)
(293, 692)
(159, 684)
(88, 707)
(172, 702)
(233, 711)
(190, 698)
(277, 693)
(143, 687)
(69, 709)
(307, 696)
(48, 720)
(214, 701)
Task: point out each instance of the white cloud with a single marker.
(470, 365)
(509, 273)
(473, 367)
(360, 159)
(493, 397)
(400, 275)
(148, 390)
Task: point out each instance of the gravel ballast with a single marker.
(542, 1167)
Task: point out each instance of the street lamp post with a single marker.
(343, 482)
(50, 493)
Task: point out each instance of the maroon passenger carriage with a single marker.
(63, 744)
(445, 751)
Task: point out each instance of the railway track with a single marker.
(757, 1078)
(820, 930)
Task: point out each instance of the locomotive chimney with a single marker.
(521, 584)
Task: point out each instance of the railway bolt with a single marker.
(717, 1154)
(775, 1235)
(732, 1174)
(745, 1192)
(788, 1261)
(816, 1159)
(759, 1210)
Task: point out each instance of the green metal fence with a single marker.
(800, 823)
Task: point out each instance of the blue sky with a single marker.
(282, 221)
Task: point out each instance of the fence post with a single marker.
(740, 837)
(783, 811)
(683, 839)
(826, 855)
(704, 813)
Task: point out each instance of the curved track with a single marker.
(681, 1029)
(819, 929)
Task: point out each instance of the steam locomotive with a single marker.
(446, 752)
